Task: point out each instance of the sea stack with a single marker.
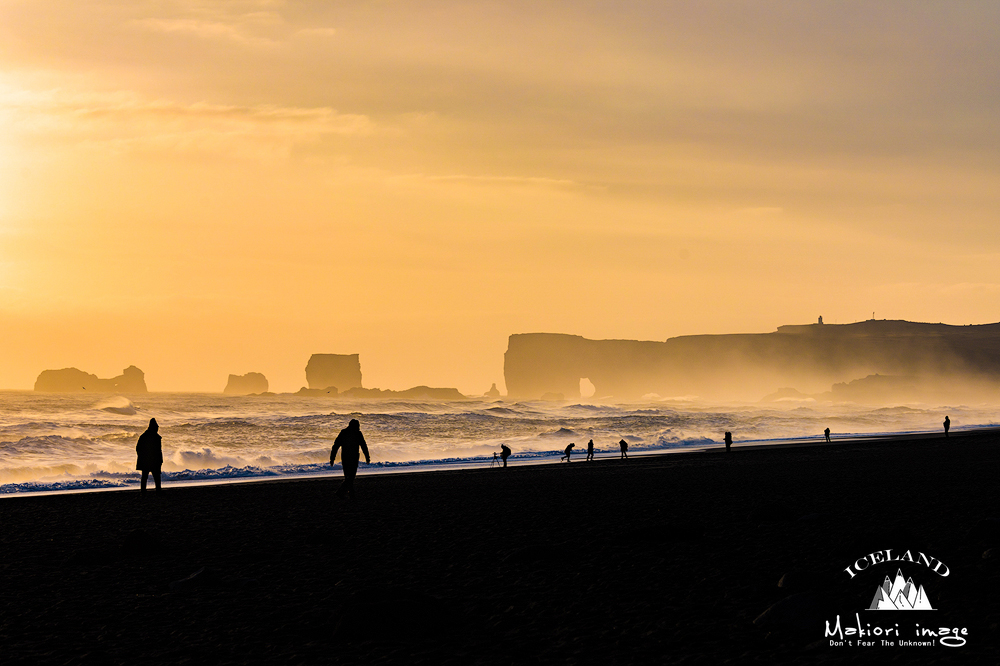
(73, 380)
(340, 370)
(252, 382)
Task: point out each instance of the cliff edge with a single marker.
(747, 366)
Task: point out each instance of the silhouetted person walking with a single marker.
(149, 455)
(504, 453)
(569, 450)
(947, 425)
(728, 439)
(351, 443)
(624, 447)
(827, 433)
(590, 450)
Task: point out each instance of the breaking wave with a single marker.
(67, 442)
(118, 405)
(561, 432)
(130, 479)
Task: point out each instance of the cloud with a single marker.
(969, 288)
(196, 27)
(317, 32)
(238, 22)
(126, 121)
(558, 183)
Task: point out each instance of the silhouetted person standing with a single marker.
(569, 450)
(827, 433)
(728, 439)
(590, 450)
(947, 425)
(351, 444)
(504, 453)
(624, 447)
(149, 455)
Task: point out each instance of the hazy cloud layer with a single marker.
(270, 179)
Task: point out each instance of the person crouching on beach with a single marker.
(149, 455)
(624, 447)
(350, 442)
(504, 453)
(590, 450)
(568, 450)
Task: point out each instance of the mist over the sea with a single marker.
(70, 442)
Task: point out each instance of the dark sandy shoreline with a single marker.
(516, 461)
(654, 560)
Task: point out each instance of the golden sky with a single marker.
(205, 187)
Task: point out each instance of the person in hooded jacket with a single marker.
(149, 455)
(351, 443)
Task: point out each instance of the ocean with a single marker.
(73, 442)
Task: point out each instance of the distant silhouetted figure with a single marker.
(624, 447)
(569, 450)
(728, 438)
(590, 450)
(827, 433)
(947, 425)
(149, 455)
(504, 453)
(351, 444)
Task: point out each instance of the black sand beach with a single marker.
(665, 559)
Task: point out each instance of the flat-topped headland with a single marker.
(933, 361)
(671, 559)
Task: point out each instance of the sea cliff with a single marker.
(962, 360)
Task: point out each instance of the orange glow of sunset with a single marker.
(201, 188)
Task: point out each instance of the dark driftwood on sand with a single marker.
(657, 560)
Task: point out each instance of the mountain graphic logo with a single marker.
(900, 594)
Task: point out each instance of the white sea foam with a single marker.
(65, 442)
(117, 405)
(204, 458)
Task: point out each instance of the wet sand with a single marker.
(666, 559)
